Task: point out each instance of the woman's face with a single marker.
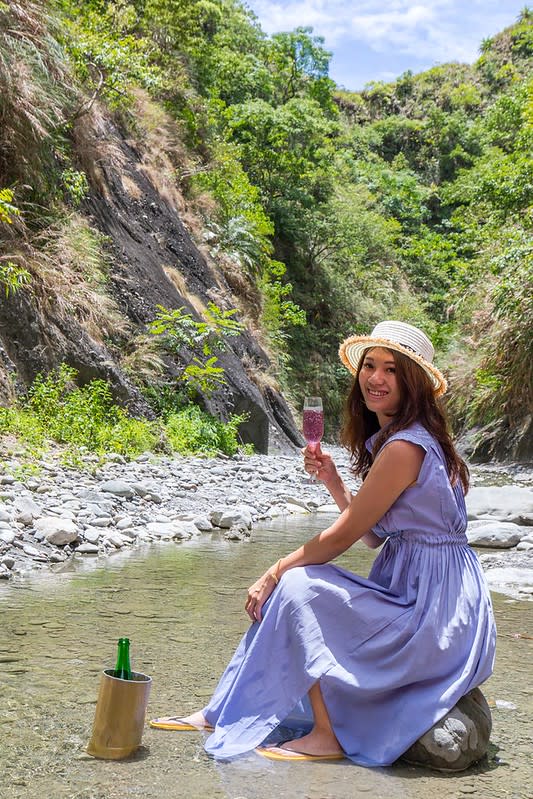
(379, 385)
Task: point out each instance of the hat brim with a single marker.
(352, 350)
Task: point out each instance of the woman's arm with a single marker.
(321, 464)
(393, 471)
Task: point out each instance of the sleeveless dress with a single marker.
(393, 653)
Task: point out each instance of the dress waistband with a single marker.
(417, 537)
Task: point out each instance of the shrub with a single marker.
(192, 431)
(86, 418)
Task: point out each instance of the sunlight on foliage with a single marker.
(192, 431)
(7, 209)
(86, 418)
(180, 333)
(13, 277)
(327, 209)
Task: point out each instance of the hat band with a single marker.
(406, 347)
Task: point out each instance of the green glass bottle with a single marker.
(123, 668)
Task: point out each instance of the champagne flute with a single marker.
(313, 422)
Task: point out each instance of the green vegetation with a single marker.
(7, 209)
(179, 331)
(327, 210)
(13, 277)
(192, 431)
(85, 419)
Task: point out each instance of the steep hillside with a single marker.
(191, 210)
(151, 261)
(83, 278)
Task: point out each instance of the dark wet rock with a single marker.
(146, 238)
(458, 740)
(502, 440)
(145, 242)
(37, 339)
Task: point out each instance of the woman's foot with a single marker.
(196, 721)
(315, 743)
(315, 746)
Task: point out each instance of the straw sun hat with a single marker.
(400, 337)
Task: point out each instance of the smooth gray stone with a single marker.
(33, 552)
(202, 522)
(228, 517)
(117, 487)
(458, 740)
(7, 536)
(92, 535)
(496, 535)
(56, 530)
(508, 503)
(519, 579)
(87, 549)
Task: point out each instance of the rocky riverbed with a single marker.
(57, 512)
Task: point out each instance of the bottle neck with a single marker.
(123, 668)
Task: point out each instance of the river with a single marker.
(182, 607)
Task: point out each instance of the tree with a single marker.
(286, 152)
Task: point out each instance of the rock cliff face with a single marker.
(499, 441)
(146, 240)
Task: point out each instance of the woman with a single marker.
(382, 659)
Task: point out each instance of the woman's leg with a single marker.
(321, 740)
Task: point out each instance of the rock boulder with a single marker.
(458, 740)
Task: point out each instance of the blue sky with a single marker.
(378, 40)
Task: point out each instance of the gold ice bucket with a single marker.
(120, 715)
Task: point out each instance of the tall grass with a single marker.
(36, 91)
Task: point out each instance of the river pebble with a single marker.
(48, 518)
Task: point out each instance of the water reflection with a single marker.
(182, 607)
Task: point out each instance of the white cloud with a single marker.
(442, 30)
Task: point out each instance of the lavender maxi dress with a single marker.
(393, 653)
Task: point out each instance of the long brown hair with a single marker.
(417, 404)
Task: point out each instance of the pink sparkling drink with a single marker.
(313, 425)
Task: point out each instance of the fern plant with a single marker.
(179, 331)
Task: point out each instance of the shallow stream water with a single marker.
(182, 607)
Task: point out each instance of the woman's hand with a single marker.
(258, 594)
(319, 463)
